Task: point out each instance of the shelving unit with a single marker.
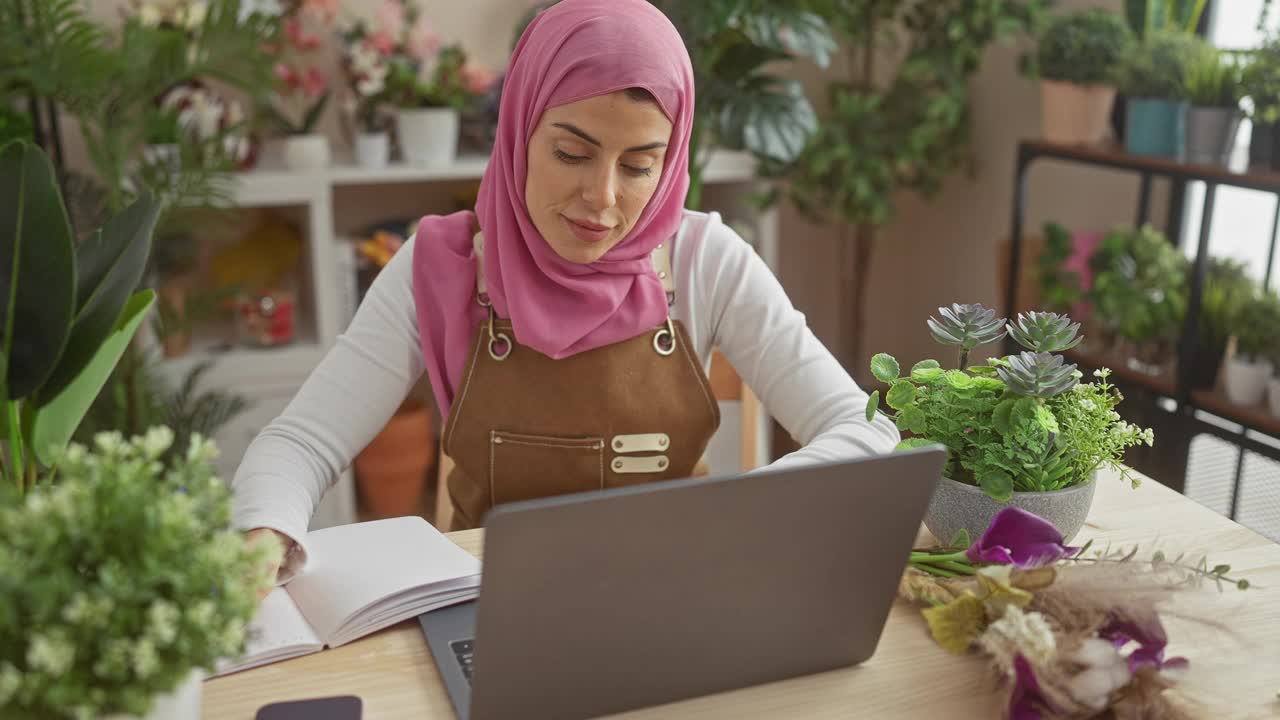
(271, 377)
(1168, 400)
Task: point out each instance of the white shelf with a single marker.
(272, 184)
(238, 367)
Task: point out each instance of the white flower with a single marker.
(10, 681)
(163, 618)
(370, 86)
(201, 449)
(109, 443)
(201, 614)
(1028, 632)
(157, 440)
(1105, 671)
(51, 653)
(145, 659)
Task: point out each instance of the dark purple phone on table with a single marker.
(343, 707)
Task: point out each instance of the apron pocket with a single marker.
(526, 467)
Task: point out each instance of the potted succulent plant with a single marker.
(1020, 430)
(1248, 365)
(1261, 79)
(1154, 79)
(1078, 58)
(1214, 88)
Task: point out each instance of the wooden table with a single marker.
(909, 677)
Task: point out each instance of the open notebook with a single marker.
(359, 578)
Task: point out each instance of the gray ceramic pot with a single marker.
(1211, 133)
(956, 505)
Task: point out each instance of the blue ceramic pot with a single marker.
(1156, 127)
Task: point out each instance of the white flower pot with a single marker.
(306, 152)
(181, 704)
(1273, 395)
(428, 136)
(1246, 381)
(373, 150)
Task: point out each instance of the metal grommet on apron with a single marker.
(525, 426)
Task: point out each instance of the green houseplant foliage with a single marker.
(1261, 80)
(68, 311)
(1214, 79)
(1022, 423)
(1085, 47)
(1157, 67)
(1059, 288)
(1257, 327)
(1147, 17)
(120, 579)
(1139, 285)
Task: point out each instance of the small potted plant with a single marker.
(365, 61)
(1227, 287)
(1020, 430)
(1078, 58)
(1154, 79)
(1248, 364)
(1214, 89)
(302, 90)
(428, 110)
(1138, 293)
(1261, 80)
(124, 583)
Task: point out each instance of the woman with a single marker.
(560, 321)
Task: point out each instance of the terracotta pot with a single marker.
(1072, 113)
(393, 469)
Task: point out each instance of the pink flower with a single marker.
(477, 79)
(324, 11)
(383, 42)
(423, 41)
(1147, 632)
(288, 76)
(390, 18)
(298, 37)
(314, 83)
(1017, 537)
(1027, 701)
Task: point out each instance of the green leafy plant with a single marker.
(1214, 79)
(898, 120)
(1261, 80)
(67, 311)
(1227, 288)
(1059, 288)
(446, 88)
(1022, 423)
(1256, 327)
(1139, 285)
(1085, 47)
(120, 579)
(1157, 67)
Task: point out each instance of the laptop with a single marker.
(608, 601)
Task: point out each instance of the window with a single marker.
(1242, 219)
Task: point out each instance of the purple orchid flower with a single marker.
(1019, 538)
(1147, 631)
(1027, 701)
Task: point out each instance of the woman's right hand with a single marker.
(274, 559)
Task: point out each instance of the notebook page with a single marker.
(278, 632)
(356, 567)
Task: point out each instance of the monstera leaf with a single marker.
(771, 117)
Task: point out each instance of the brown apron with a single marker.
(525, 426)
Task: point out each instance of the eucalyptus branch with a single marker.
(1193, 574)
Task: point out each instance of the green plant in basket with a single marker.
(120, 580)
(1085, 47)
(1021, 423)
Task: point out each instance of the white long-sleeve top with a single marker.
(726, 297)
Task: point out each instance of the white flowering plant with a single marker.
(119, 577)
(1019, 423)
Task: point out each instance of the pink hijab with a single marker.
(575, 50)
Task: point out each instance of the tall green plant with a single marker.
(901, 126)
(67, 312)
(1214, 79)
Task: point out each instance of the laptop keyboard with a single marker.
(463, 651)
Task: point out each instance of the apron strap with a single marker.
(661, 257)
